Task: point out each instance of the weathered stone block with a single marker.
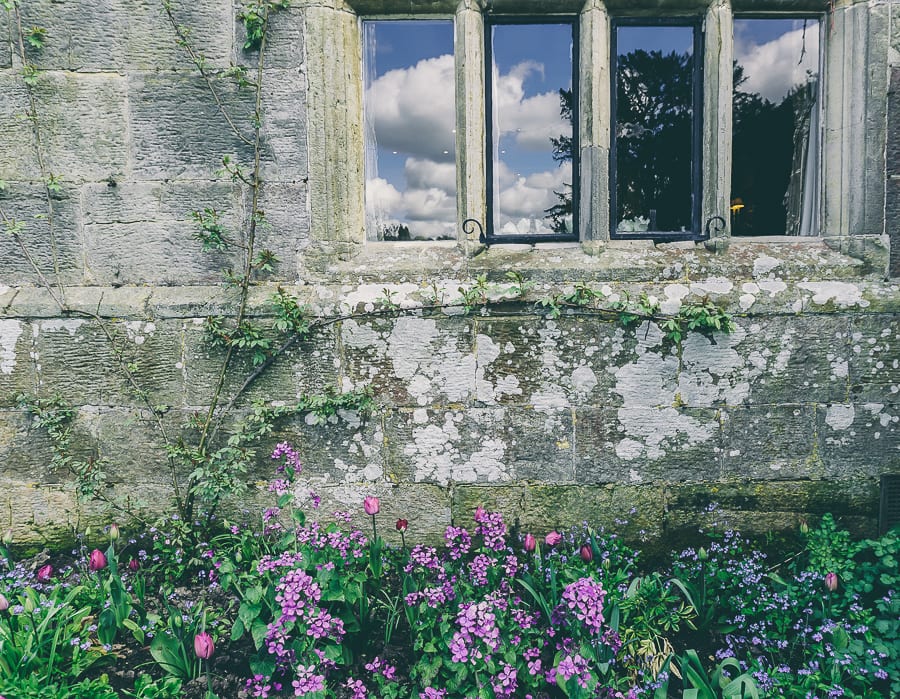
(632, 511)
(16, 368)
(75, 359)
(112, 34)
(24, 449)
(284, 146)
(50, 247)
(781, 359)
(646, 444)
(859, 439)
(480, 445)
(5, 41)
(310, 366)
(49, 514)
(771, 442)
(142, 232)
(874, 361)
(411, 360)
(287, 232)
(179, 132)
(284, 40)
(81, 118)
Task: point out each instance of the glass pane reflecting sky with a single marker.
(531, 128)
(654, 129)
(776, 62)
(410, 119)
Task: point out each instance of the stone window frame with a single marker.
(849, 196)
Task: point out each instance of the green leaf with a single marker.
(258, 631)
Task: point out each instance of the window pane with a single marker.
(775, 122)
(410, 122)
(532, 129)
(654, 129)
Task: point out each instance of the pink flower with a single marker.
(4, 605)
(587, 554)
(133, 565)
(831, 581)
(97, 560)
(45, 573)
(479, 513)
(203, 645)
(553, 538)
(371, 505)
(402, 524)
(530, 543)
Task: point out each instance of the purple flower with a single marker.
(831, 581)
(553, 538)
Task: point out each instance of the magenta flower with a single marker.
(479, 513)
(402, 525)
(45, 573)
(133, 565)
(831, 581)
(553, 538)
(586, 553)
(371, 505)
(97, 560)
(203, 645)
(530, 543)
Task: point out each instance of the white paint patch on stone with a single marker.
(750, 288)
(10, 331)
(629, 449)
(772, 286)
(840, 368)
(370, 296)
(840, 417)
(675, 294)
(746, 300)
(843, 294)
(715, 372)
(764, 264)
(486, 352)
(584, 380)
(713, 285)
(70, 325)
(420, 416)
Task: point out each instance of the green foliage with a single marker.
(29, 75)
(255, 16)
(702, 686)
(35, 687)
(290, 317)
(36, 37)
(146, 687)
(173, 646)
(212, 233)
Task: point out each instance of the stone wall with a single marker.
(551, 420)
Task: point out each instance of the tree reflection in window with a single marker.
(775, 117)
(655, 137)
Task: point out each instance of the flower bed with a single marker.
(314, 609)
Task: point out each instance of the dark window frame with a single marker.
(696, 23)
(490, 21)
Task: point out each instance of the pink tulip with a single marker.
(97, 560)
(45, 573)
(831, 581)
(371, 505)
(553, 538)
(4, 603)
(479, 513)
(530, 543)
(203, 645)
(586, 553)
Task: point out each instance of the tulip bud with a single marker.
(45, 573)
(553, 538)
(530, 543)
(402, 525)
(203, 645)
(804, 527)
(371, 505)
(29, 604)
(831, 581)
(133, 565)
(586, 553)
(97, 560)
(4, 603)
(114, 532)
(8, 537)
(702, 555)
(606, 563)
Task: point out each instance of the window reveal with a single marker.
(410, 127)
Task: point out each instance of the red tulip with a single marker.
(402, 525)
(133, 565)
(203, 645)
(831, 581)
(45, 573)
(587, 553)
(97, 560)
(530, 543)
(371, 505)
(553, 538)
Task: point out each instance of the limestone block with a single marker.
(28, 204)
(647, 444)
(16, 368)
(877, 81)
(310, 367)
(45, 516)
(138, 233)
(859, 439)
(112, 34)
(82, 123)
(287, 232)
(24, 449)
(177, 129)
(768, 359)
(874, 359)
(75, 359)
(5, 41)
(771, 442)
(568, 361)
(480, 445)
(631, 511)
(411, 360)
(284, 143)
